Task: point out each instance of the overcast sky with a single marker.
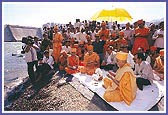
(37, 14)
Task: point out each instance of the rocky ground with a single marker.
(47, 96)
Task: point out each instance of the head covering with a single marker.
(113, 35)
(140, 21)
(161, 52)
(121, 55)
(90, 47)
(103, 24)
(121, 33)
(73, 49)
(153, 48)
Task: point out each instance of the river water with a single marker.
(15, 67)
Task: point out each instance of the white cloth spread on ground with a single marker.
(144, 100)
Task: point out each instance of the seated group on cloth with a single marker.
(132, 70)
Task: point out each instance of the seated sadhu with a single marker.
(91, 61)
(159, 65)
(121, 86)
(72, 62)
(63, 60)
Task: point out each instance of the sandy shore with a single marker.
(46, 96)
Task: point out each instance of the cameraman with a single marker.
(31, 58)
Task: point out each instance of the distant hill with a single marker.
(155, 21)
(14, 33)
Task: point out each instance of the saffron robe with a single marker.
(73, 61)
(126, 91)
(91, 63)
(57, 46)
(141, 41)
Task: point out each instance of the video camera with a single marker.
(28, 40)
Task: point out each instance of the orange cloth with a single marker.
(141, 41)
(63, 61)
(159, 66)
(121, 42)
(57, 46)
(73, 49)
(89, 47)
(80, 52)
(103, 24)
(113, 35)
(104, 34)
(126, 91)
(72, 61)
(121, 33)
(153, 48)
(161, 52)
(107, 44)
(122, 55)
(91, 63)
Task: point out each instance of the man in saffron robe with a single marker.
(159, 65)
(91, 61)
(104, 33)
(123, 86)
(63, 60)
(141, 35)
(121, 41)
(153, 55)
(57, 44)
(72, 62)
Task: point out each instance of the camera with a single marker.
(28, 40)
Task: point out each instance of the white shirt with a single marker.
(73, 35)
(31, 55)
(148, 59)
(159, 42)
(77, 24)
(128, 34)
(130, 60)
(110, 58)
(82, 37)
(67, 49)
(49, 61)
(93, 36)
(144, 70)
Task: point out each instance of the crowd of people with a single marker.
(135, 54)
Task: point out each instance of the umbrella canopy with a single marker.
(118, 14)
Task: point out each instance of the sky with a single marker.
(36, 14)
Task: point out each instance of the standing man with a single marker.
(104, 33)
(31, 59)
(57, 44)
(141, 35)
(128, 35)
(159, 38)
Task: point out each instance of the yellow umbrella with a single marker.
(118, 14)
